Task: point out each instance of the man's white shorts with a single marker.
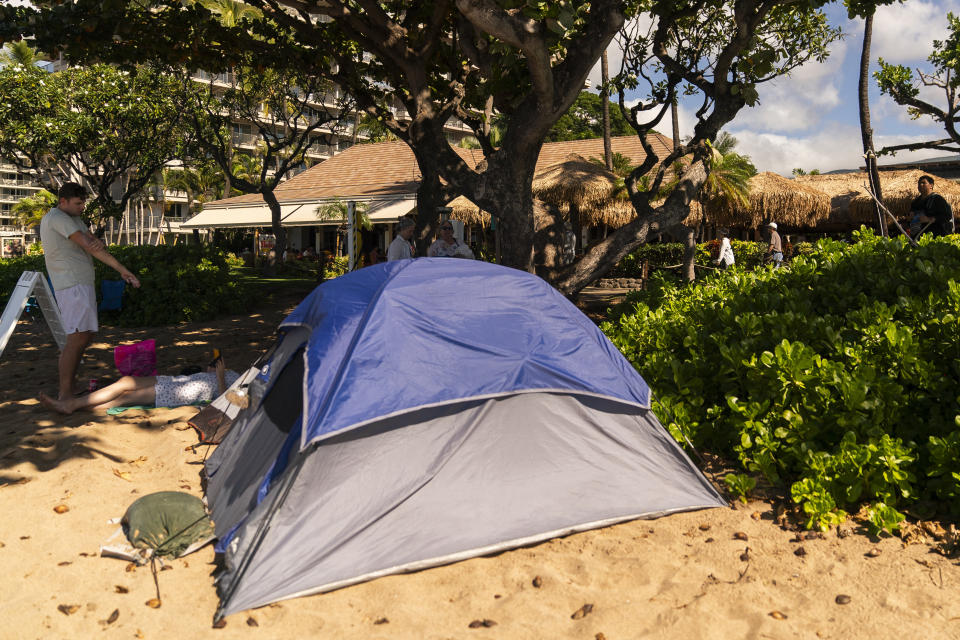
(78, 308)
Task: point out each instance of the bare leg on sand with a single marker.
(126, 391)
(70, 360)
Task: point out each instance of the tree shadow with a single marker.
(32, 435)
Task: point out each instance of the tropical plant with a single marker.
(337, 210)
(20, 53)
(28, 211)
(835, 379)
(113, 129)
(622, 165)
(728, 180)
(201, 183)
(898, 82)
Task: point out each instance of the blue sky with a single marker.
(810, 118)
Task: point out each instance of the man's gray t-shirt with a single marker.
(399, 249)
(67, 264)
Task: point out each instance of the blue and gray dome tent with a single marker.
(420, 412)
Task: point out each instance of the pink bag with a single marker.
(139, 359)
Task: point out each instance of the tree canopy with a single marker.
(415, 65)
(111, 129)
(943, 74)
(583, 120)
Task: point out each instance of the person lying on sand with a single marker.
(160, 391)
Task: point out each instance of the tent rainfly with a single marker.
(396, 426)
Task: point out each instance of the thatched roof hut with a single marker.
(467, 212)
(842, 189)
(597, 193)
(575, 181)
(899, 189)
(772, 197)
(850, 201)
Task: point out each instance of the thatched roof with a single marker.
(899, 188)
(841, 188)
(772, 197)
(467, 212)
(575, 180)
(596, 192)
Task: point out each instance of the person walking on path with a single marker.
(68, 251)
(933, 210)
(400, 248)
(726, 250)
(775, 248)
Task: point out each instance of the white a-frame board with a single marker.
(31, 283)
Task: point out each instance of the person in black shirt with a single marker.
(935, 212)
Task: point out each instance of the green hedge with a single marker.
(838, 376)
(748, 254)
(179, 283)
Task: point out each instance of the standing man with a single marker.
(775, 248)
(934, 211)
(67, 249)
(401, 248)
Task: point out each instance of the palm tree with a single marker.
(28, 211)
(247, 167)
(729, 175)
(21, 53)
(727, 184)
(496, 138)
(337, 210)
(866, 131)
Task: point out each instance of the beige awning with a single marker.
(300, 214)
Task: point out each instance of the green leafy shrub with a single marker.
(749, 255)
(10, 270)
(740, 484)
(838, 377)
(179, 283)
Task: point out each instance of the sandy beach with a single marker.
(720, 573)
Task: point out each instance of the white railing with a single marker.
(18, 182)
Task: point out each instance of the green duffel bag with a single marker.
(168, 522)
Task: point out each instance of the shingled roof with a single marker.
(385, 169)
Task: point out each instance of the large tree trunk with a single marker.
(604, 255)
(866, 132)
(429, 200)
(508, 181)
(605, 111)
(689, 254)
(278, 231)
(675, 122)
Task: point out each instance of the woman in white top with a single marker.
(160, 391)
(726, 251)
(448, 246)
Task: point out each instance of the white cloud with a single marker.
(834, 147)
(614, 55)
(799, 101)
(887, 114)
(904, 32)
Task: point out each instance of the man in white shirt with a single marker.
(67, 249)
(400, 248)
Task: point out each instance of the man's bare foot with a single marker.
(59, 406)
